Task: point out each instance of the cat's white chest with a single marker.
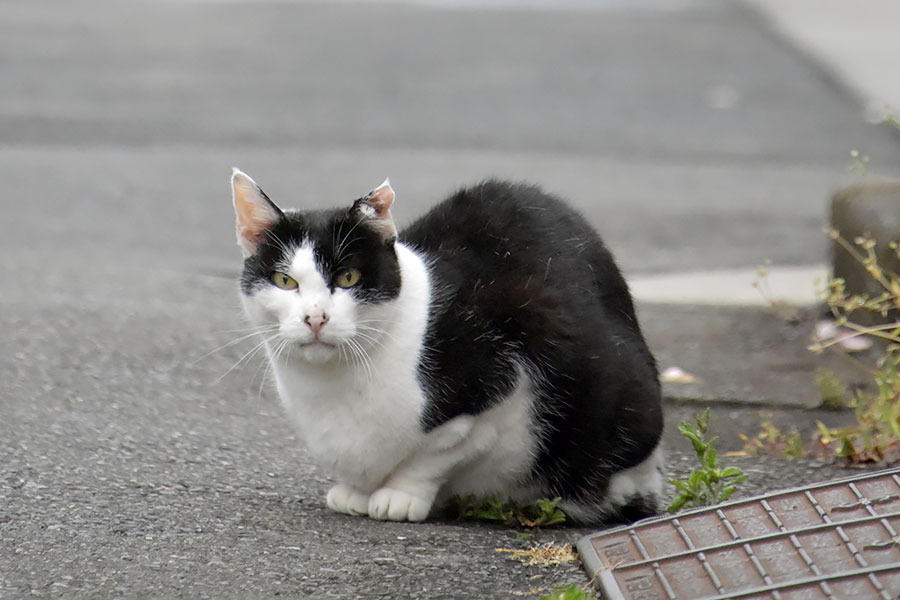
(357, 432)
(361, 418)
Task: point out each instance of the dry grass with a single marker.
(547, 554)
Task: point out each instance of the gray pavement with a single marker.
(854, 43)
(692, 137)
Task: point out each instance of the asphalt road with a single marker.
(130, 466)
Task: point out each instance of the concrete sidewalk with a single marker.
(855, 42)
(690, 134)
(857, 49)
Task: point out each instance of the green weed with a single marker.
(892, 120)
(569, 592)
(496, 509)
(875, 437)
(772, 440)
(858, 162)
(708, 484)
(831, 389)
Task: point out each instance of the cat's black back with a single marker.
(522, 281)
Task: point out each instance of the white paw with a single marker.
(396, 505)
(345, 499)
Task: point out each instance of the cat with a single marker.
(489, 348)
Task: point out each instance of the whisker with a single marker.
(247, 356)
(353, 353)
(339, 252)
(364, 359)
(276, 353)
(246, 329)
(280, 244)
(266, 366)
(369, 331)
(368, 338)
(260, 331)
(344, 246)
(366, 327)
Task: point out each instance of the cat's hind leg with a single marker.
(631, 494)
(348, 500)
(411, 489)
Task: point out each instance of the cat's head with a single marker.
(317, 283)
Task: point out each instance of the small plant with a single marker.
(876, 435)
(772, 440)
(543, 513)
(569, 592)
(875, 438)
(843, 304)
(547, 513)
(831, 389)
(858, 162)
(890, 119)
(708, 484)
(473, 508)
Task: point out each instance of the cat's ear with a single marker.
(375, 209)
(256, 214)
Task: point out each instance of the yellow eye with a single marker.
(347, 278)
(285, 282)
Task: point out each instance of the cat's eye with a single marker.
(347, 278)
(284, 281)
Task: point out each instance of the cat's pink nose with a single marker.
(316, 321)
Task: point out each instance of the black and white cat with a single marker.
(491, 347)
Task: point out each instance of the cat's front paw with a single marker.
(396, 505)
(347, 500)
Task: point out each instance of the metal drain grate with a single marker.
(834, 540)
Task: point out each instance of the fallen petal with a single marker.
(856, 343)
(826, 330)
(677, 375)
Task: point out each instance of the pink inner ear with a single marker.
(381, 199)
(250, 226)
(255, 215)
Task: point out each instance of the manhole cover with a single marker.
(833, 540)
